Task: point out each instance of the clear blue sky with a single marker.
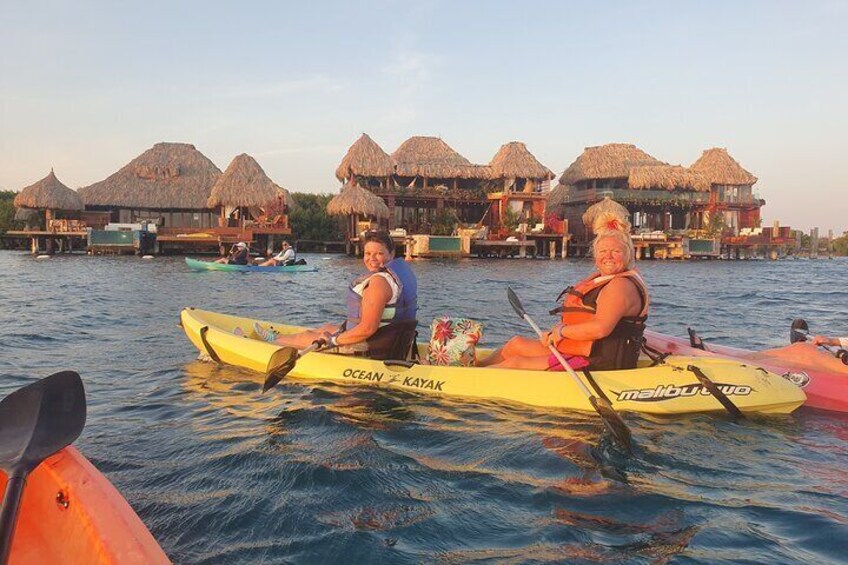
(87, 86)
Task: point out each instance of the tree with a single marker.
(309, 220)
(716, 224)
(7, 211)
(443, 222)
(511, 219)
(840, 245)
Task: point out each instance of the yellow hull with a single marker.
(666, 389)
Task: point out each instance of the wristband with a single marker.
(333, 341)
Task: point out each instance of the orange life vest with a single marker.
(618, 350)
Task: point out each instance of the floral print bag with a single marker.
(453, 341)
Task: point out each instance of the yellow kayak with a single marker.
(668, 388)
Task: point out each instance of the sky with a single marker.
(85, 87)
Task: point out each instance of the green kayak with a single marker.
(196, 265)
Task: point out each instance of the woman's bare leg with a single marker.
(536, 363)
(518, 346)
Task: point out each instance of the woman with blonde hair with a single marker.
(602, 317)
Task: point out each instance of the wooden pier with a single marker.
(50, 242)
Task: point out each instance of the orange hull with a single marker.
(72, 514)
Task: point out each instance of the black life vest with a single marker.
(618, 350)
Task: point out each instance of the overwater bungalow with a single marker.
(366, 164)
(522, 183)
(191, 203)
(61, 222)
(361, 208)
(431, 178)
(245, 196)
(169, 184)
(659, 196)
(425, 182)
(52, 197)
(731, 192)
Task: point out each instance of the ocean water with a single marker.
(325, 473)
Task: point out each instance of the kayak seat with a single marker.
(394, 341)
(695, 340)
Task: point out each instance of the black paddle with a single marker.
(36, 421)
(800, 331)
(602, 406)
(716, 392)
(284, 360)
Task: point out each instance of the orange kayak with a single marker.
(72, 514)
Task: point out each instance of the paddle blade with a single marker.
(39, 419)
(798, 331)
(515, 302)
(613, 422)
(282, 362)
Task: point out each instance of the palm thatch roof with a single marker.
(668, 177)
(166, 176)
(245, 183)
(25, 214)
(513, 160)
(605, 206)
(610, 161)
(720, 168)
(433, 158)
(365, 159)
(286, 198)
(354, 199)
(49, 194)
(558, 196)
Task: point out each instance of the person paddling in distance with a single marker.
(381, 308)
(239, 255)
(286, 256)
(602, 317)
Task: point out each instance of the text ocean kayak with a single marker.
(665, 389)
(196, 265)
(823, 378)
(71, 514)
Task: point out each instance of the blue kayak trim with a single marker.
(196, 265)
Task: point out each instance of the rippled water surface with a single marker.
(324, 473)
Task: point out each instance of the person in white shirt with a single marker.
(286, 256)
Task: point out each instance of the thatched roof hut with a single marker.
(166, 176)
(558, 196)
(354, 199)
(610, 161)
(430, 157)
(245, 183)
(720, 168)
(48, 194)
(668, 177)
(605, 206)
(513, 160)
(365, 159)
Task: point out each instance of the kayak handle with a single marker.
(398, 363)
(209, 351)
